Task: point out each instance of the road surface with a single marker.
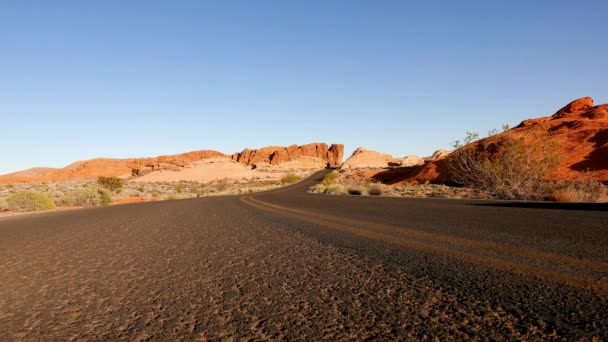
(287, 264)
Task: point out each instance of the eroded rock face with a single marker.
(582, 104)
(335, 155)
(440, 154)
(363, 158)
(275, 155)
(410, 161)
(94, 168)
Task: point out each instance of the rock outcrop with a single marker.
(576, 106)
(94, 168)
(310, 156)
(440, 154)
(579, 131)
(275, 155)
(363, 158)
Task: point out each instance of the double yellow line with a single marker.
(546, 266)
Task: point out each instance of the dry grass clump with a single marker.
(29, 201)
(587, 191)
(335, 189)
(355, 191)
(375, 190)
(318, 188)
(290, 178)
(330, 178)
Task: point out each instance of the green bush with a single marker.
(111, 183)
(29, 201)
(87, 197)
(290, 178)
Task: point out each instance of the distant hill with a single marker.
(137, 167)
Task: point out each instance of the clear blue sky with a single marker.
(85, 79)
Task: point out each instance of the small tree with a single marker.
(509, 169)
(471, 137)
(111, 183)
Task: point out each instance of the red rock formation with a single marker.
(109, 167)
(579, 130)
(576, 106)
(139, 166)
(275, 155)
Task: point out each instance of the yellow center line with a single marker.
(413, 242)
(595, 266)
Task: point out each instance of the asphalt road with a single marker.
(287, 264)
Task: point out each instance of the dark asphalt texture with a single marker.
(287, 264)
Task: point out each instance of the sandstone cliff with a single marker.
(275, 155)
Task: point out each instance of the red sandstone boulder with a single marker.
(580, 105)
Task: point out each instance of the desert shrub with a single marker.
(581, 191)
(355, 191)
(105, 197)
(3, 204)
(318, 188)
(194, 188)
(335, 189)
(290, 178)
(221, 185)
(180, 187)
(509, 169)
(564, 195)
(330, 178)
(111, 183)
(375, 190)
(29, 201)
(87, 197)
(471, 137)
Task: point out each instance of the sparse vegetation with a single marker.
(112, 184)
(470, 137)
(355, 191)
(290, 178)
(87, 197)
(29, 201)
(588, 191)
(375, 190)
(335, 189)
(330, 178)
(319, 188)
(509, 169)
